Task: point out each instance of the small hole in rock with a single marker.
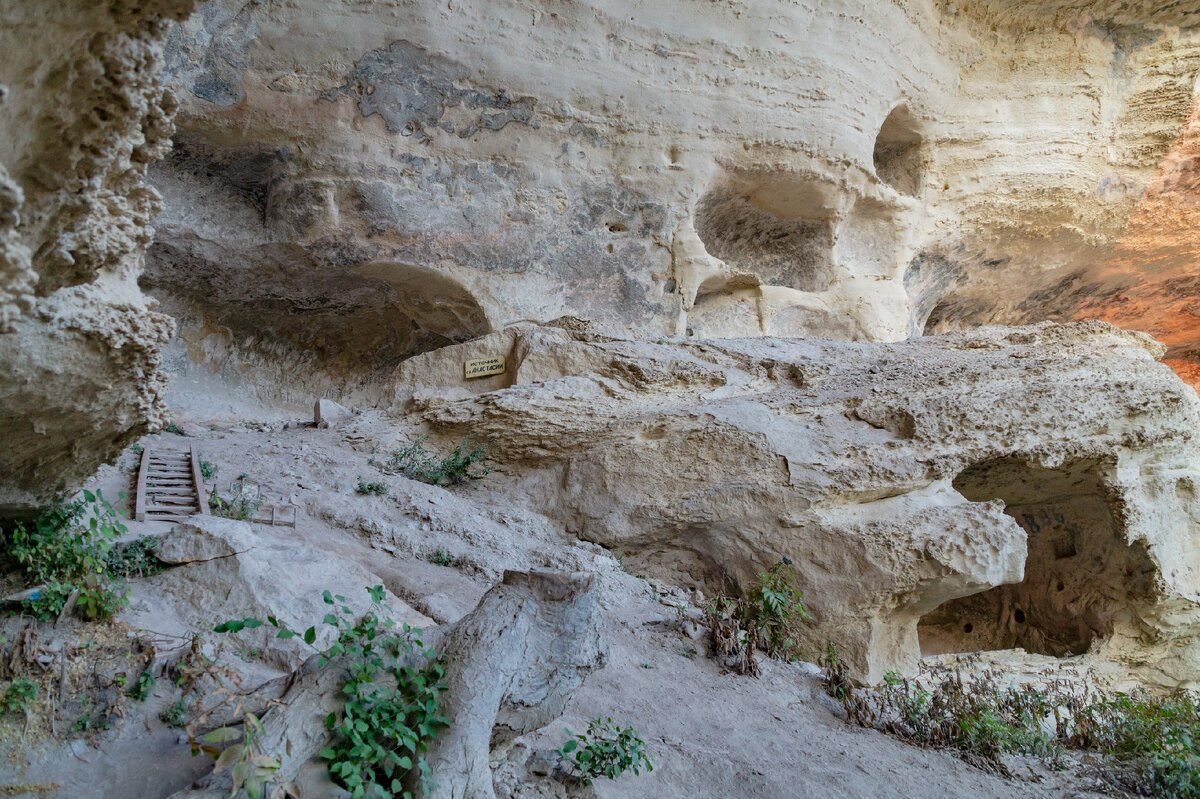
(968, 627)
(1061, 585)
(612, 248)
(1019, 615)
(617, 227)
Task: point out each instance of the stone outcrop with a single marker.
(1031, 487)
(81, 116)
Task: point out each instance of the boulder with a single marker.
(327, 413)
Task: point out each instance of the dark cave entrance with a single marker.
(1080, 572)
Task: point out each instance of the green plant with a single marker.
(175, 714)
(99, 601)
(142, 687)
(174, 429)
(67, 549)
(1150, 746)
(247, 765)
(134, 558)
(244, 500)
(441, 557)
(1154, 741)
(773, 607)
(765, 617)
(207, 470)
(605, 750)
(19, 695)
(378, 740)
(429, 467)
(378, 489)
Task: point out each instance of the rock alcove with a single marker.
(1080, 573)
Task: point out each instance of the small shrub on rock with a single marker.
(378, 489)
(605, 750)
(764, 618)
(418, 463)
(243, 502)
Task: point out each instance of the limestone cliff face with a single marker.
(1031, 487)
(355, 183)
(83, 114)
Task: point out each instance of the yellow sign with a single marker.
(483, 367)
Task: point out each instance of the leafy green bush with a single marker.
(134, 558)
(605, 750)
(765, 617)
(429, 467)
(1151, 745)
(1155, 742)
(773, 607)
(378, 489)
(378, 742)
(207, 470)
(68, 548)
(174, 429)
(19, 695)
(244, 500)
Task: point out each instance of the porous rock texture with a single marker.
(81, 115)
(358, 182)
(1048, 473)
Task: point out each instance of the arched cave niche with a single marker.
(352, 323)
(899, 155)
(776, 227)
(1080, 572)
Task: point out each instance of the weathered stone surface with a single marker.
(876, 469)
(204, 538)
(228, 569)
(356, 185)
(80, 345)
(327, 413)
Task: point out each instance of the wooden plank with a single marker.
(163, 501)
(175, 490)
(198, 479)
(139, 508)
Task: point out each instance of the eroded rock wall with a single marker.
(1029, 487)
(409, 175)
(84, 112)
(357, 183)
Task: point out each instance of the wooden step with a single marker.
(169, 487)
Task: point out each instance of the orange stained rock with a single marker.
(1152, 280)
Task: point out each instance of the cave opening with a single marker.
(777, 228)
(899, 157)
(1080, 572)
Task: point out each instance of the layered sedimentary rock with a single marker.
(1031, 487)
(82, 115)
(357, 183)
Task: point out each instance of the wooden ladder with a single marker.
(169, 487)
